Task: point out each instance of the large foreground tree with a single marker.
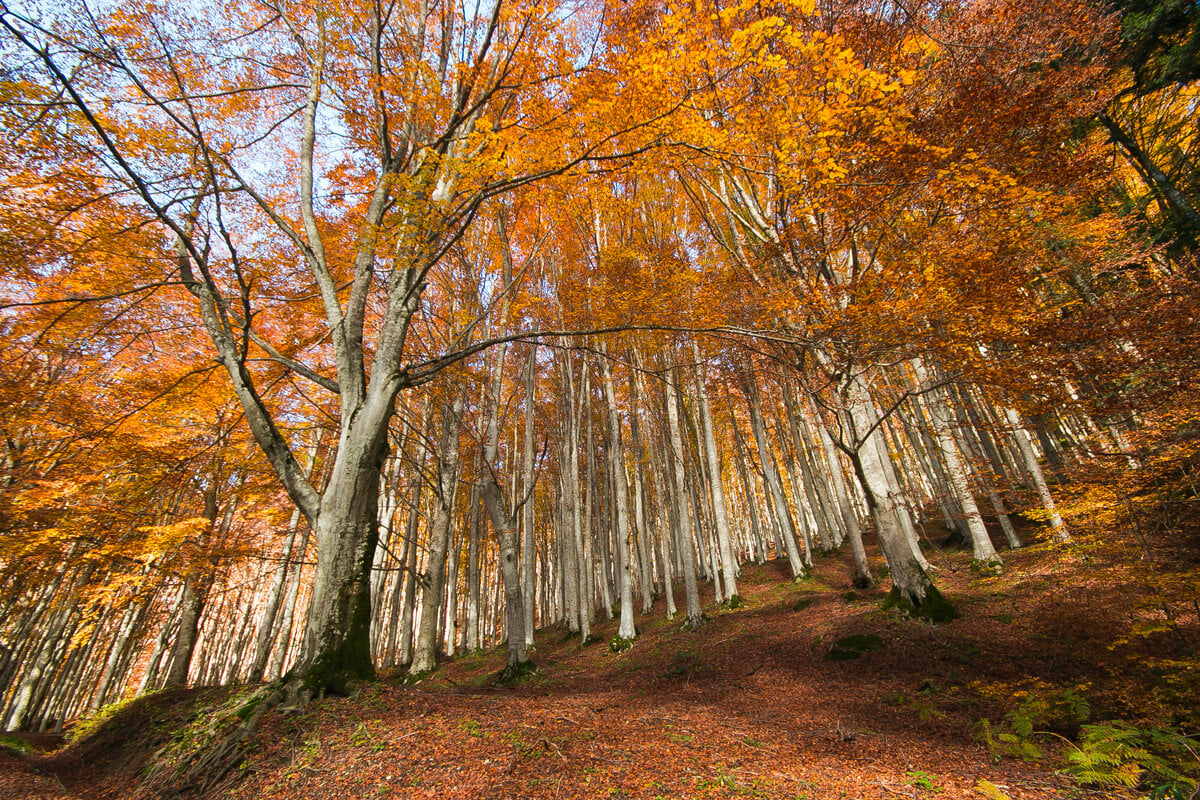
(307, 165)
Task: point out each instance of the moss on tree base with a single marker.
(411, 678)
(987, 569)
(934, 608)
(862, 582)
(619, 644)
(515, 673)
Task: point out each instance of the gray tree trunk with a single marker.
(616, 465)
(1058, 527)
(778, 498)
(907, 574)
(695, 614)
(528, 574)
(943, 431)
(720, 509)
(425, 649)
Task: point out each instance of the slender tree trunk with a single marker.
(771, 477)
(262, 648)
(645, 543)
(527, 533)
(1034, 469)
(657, 468)
(504, 524)
(450, 614)
(583, 567)
(720, 509)
(759, 538)
(981, 542)
(616, 463)
(284, 640)
(425, 650)
(1176, 199)
(195, 592)
(597, 584)
(695, 614)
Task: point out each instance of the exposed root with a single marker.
(515, 673)
(863, 581)
(204, 752)
(933, 608)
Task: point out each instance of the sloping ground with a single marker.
(748, 706)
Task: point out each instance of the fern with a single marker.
(1159, 761)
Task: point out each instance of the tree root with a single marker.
(204, 752)
(516, 673)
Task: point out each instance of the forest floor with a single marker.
(748, 706)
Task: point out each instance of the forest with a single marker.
(368, 364)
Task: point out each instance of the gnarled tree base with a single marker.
(934, 607)
(203, 754)
(515, 673)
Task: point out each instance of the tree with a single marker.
(402, 123)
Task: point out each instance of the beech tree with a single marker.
(399, 124)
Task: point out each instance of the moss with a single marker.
(734, 602)
(987, 569)
(244, 711)
(335, 670)
(802, 603)
(90, 723)
(619, 644)
(15, 744)
(864, 642)
(851, 647)
(899, 602)
(516, 673)
(412, 678)
(850, 596)
(934, 608)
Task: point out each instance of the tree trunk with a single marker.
(527, 533)
(771, 477)
(425, 650)
(981, 543)
(695, 614)
(909, 580)
(1034, 469)
(262, 646)
(616, 465)
(504, 524)
(720, 509)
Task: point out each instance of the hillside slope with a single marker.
(751, 705)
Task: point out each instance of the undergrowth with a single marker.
(88, 724)
(1161, 763)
